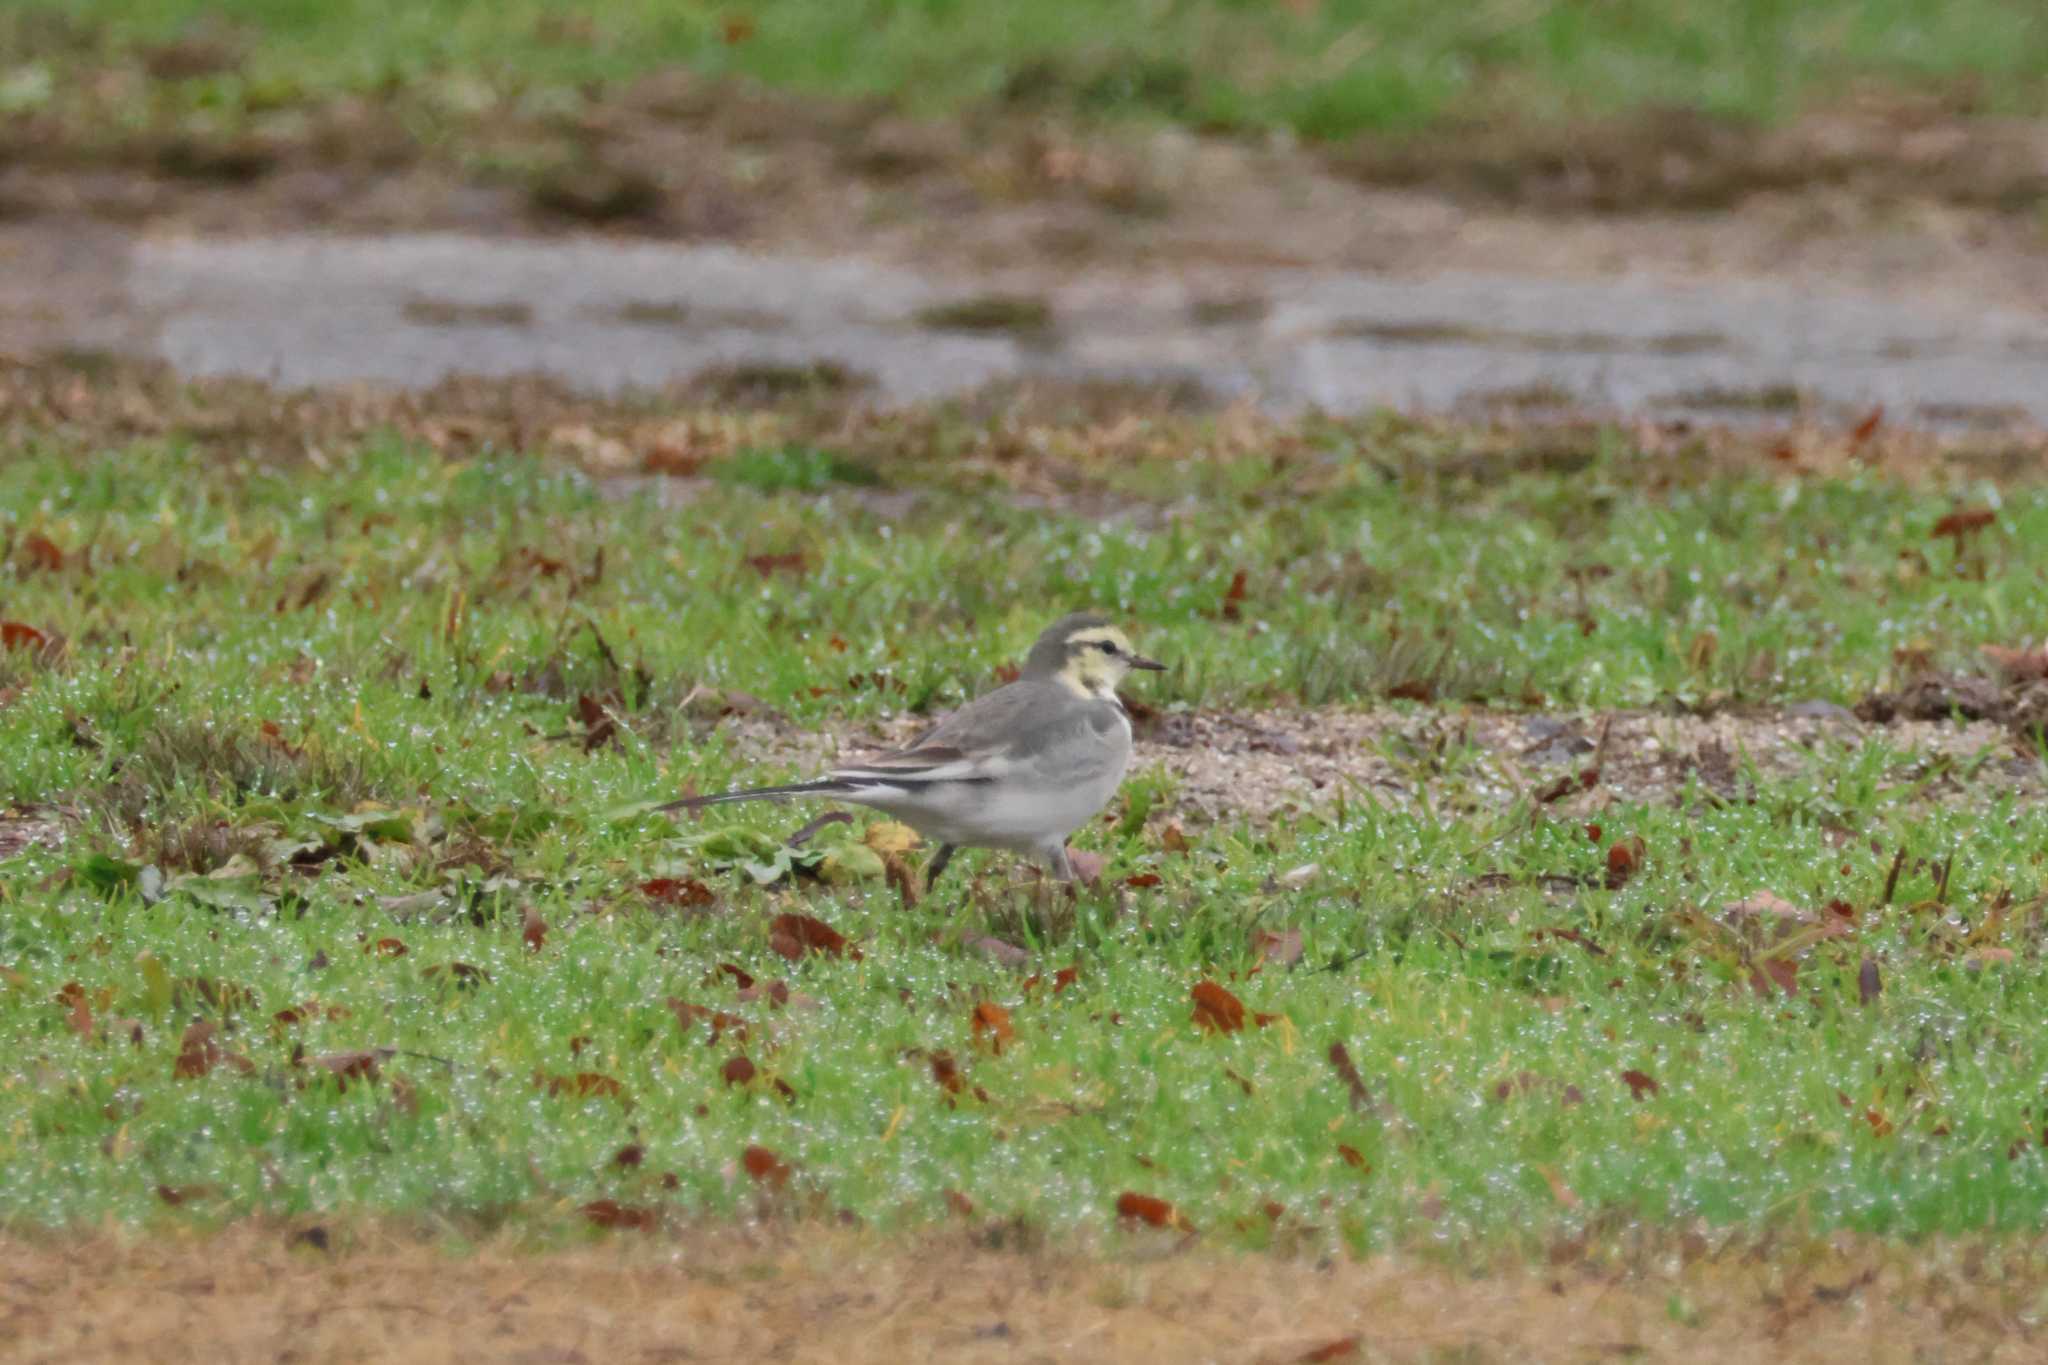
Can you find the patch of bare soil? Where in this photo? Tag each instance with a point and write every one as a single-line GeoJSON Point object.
{"type": "Point", "coordinates": [1891, 193]}
{"type": "Point", "coordinates": [359, 1294]}
{"type": "Point", "coordinates": [1268, 764]}
{"type": "Point", "coordinates": [1050, 441]}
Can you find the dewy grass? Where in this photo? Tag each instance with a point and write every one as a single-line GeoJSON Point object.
{"type": "Point", "coordinates": [352, 761]}
{"type": "Point", "coordinates": [1324, 71]}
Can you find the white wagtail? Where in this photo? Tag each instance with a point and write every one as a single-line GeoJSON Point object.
{"type": "Point", "coordinates": [1019, 769]}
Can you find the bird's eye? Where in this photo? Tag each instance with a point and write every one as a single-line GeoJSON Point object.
{"type": "Point", "coordinates": [1106, 646]}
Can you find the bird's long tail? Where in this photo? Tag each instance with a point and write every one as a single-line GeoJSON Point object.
{"type": "Point", "coordinates": [829, 786]}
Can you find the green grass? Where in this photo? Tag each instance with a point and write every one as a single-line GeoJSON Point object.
{"type": "Point", "coordinates": [1323, 70]}
{"type": "Point", "coordinates": [416, 633]}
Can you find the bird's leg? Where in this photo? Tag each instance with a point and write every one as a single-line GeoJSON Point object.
{"type": "Point", "coordinates": [938, 865]}
{"type": "Point", "coordinates": [1056, 859]}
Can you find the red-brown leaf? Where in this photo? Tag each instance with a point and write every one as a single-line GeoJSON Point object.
{"type": "Point", "coordinates": [946, 1072]}
{"type": "Point", "coordinates": [632, 1154]}
{"type": "Point", "coordinates": [1624, 860]}
{"type": "Point", "coordinates": [583, 1085]}
{"type": "Point", "coordinates": [791, 562]}
{"type": "Point", "coordinates": [793, 935]}
{"type": "Point", "coordinates": [1640, 1083]}
{"type": "Point", "coordinates": [1217, 1010]}
{"type": "Point", "coordinates": [689, 1015]}
{"type": "Point", "coordinates": [43, 552]}
{"type": "Point", "coordinates": [610, 1213]}
{"type": "Point", "coordinates": [1780, 972]}
{"type": "Point", "coordinates": [1962, 522]}
{"type": "Point", "coordinates": [197, 1052]}
{"type": "Point", "coordinates": [386, 947]}
{"type": "Point", "coordinates": [1343, 1348]}
{"type": "Point", "coordinates": [960, 1203]}
{"type": "Point", "coordinates": [1065, 977]}
{"type": "Point", "coordinates": [992, 1026]}
{"type": "Point", "coordinates": [1867, 428]}
{"type": "Point", "coordinates": [737, 1071]}
{"type": "Point", "coordinates": [1361, 1098]}
{"type": "Point", "coordinates": [1352, 1156]}
{"type": "Point", "coordinates": [1132, 1207]}
{"type": "Point", "coordinates": [740, 976]}
{"type": "Point", "coordinates": [1142, 881]}
{"type": "Point", "coordinates": [1233, 597]}
{"type": "Point", "coordinates": [765, 1166]}
{"type": "Point", "coordinates": [685, 893]}
{"type": "Point", "coordinates": [17, 635]}
{"type": "Point", "coordinates": [534, 930]}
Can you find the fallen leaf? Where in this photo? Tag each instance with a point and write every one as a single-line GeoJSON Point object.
{"type": "Point", "coordinates": [766, 1167]}
{"type": "Point", "coordinates": [1343, 1348]}
{"type": "Point", "coordinates": [1233, 596]}
{"type": "Point", "coordinates": [1172, 840]}
{"type": "Point", "coordinates": [1768, 972]}
{"type": "Point", "coordinates": [790, 562]}
{"type": "Point", "coordinates": [632, 1154]}
{"type": "Point", "coordinates": [960, 1203]}
{"type": "Point", "coordinates": [1132, 1207]}
{"type": "Point", "coordinates": [43, 553]}
{"type": "Point", "coordinates": [197, 1052]}
{"type": "Point", "coordinates": [175, 1195]}
{"type": "Point", "coordinates": [386, 947]}
{"type": "Point", "coordinates": [1217, 1010]}
{"type": "Point", "coordinates": [1624, 860]}
{"type": "Point", "coordinates": [1867, 428]}
{"type": "Point", "coordinates": [946, 1072]}
{"type": "Point", "coordinates": [80, 1017]}
{"type": "Point", "coordinates": [1087, 866]}
{"type": "Point", "coordinates": [737, 1071]}
{"type": "Point", "coordinates": [1640, 1083]}
{"type": "Point", "coordinates": [2019, 665]}
{"type": "Point", "coordinates": [1009, 954]}
{"type": "Point", "coordinates": [16, 635]}
{"type": "Point", "coordinates": [740, 976]}
{"type": "Point", "coordinates": [1065, 977]}
{"type": "Point", "coordinates": [1278, 946]}
{"type": "Point", "coordinates": [348, 1066]}
{"type": "Point", "coordinates": [1361, 1098]}
{"type": "Point", "coordinates": [992, 1026]}
{"type": "Point", "coordinates": [1561, 1192]}
{"type": "Point", "coordinates": [583, 1085]}
{"type": "Point", "coordinates": [793, 935]}
{"type": "Point", "coordinates": [689, 1015]}
{"type": "Point", "coordinates": [610, 1213]}
{"type": "Point", "coordinates": [534, 930]}
{"type": "Point", "coordinates": [1352, 1156]}
{"type": "Point", "coordinates": [685, 893]}
{"type": "Point", "coordinates": [1142, 881]}
{"type": "Point", "coordinates": [1869, 985]}
{"type": "Point", "coordinates": [1962, 522]}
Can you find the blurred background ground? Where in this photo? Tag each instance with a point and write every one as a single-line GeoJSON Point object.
{"type": "Point", "coordinates": [1797, 240]}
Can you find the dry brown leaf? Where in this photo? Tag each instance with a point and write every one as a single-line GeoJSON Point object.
{"type": "Point", "coordinates": [766, 1167]}
{"type": "Point", "coordinates": [793, 935]}
{"type": "Point", "coordinates": [1217, 1010]}
{"type": "Point", "coordinates": [992, 1027]}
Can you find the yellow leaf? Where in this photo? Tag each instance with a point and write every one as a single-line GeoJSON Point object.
{"type": "Point", "coordinates": [887, 836]}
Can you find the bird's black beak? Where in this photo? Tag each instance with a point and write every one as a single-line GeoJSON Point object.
{"type": "Point", "coordinates": [1149, 665]}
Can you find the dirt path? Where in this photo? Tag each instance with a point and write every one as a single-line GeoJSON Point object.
{"type": "Point", "coordinates": [1261, 765]}
{"type": "Point", "coordinates": [272, 1294]}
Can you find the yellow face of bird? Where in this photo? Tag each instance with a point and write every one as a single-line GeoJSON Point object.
{"type": "Point", "coordinates": [1098, 658]}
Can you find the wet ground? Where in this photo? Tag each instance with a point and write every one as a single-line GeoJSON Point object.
{"type": "Point", "coordinates": [411, 309]}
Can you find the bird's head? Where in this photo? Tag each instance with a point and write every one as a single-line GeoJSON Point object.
{"type": "Point", "coordinates": [1087, 653]}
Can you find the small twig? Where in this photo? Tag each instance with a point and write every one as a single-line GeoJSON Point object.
{"type": "Point", "coordinates": [1891, 882]}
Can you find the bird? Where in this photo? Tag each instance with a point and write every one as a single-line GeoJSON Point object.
{"type": "Point", "coordinates": [1017, 769]}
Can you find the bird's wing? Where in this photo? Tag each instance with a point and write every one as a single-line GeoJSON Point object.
{"type": "Point", "coordinates": [981, 740]}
